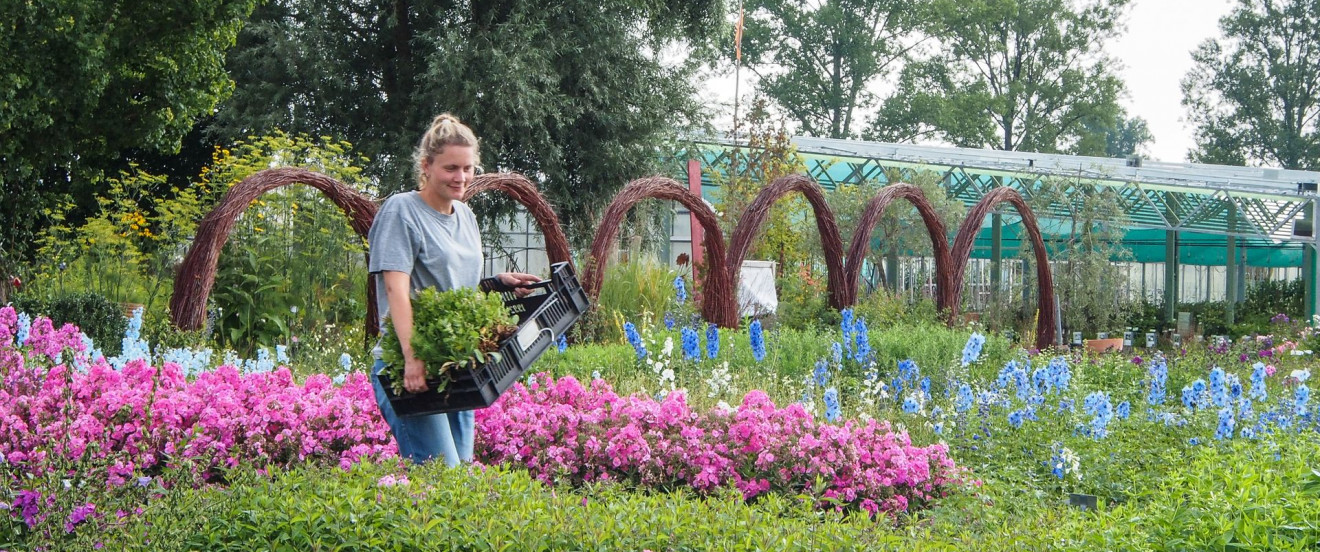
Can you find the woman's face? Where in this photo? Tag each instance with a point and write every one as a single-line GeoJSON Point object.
{"type": "Point", "coordinates": [449, 172]}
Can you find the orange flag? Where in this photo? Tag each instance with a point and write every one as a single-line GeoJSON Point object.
{"type": "Point", "coordinates": [737, 36]}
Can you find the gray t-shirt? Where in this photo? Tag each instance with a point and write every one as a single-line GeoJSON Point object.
{"type": "Point", "coordinates": [434, 249]}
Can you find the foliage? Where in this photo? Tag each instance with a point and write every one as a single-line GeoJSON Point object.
{"type": "Point", "coordinates": [143, 72]}
{"type": "Point", "coordinates": [128, 247]}
{"type": "Point", "coordinates": [1090, 287]}
{"type": "Point", "coordinates": [452, 329]}
{"type": "Point", "coordinates": [291, 260]}
{"type": "Point", "coordinates": [640, 290]}
{"type": "Point", "coordinates": [900, 229]}
{"type": "Point", "coordinates": [1121, 137]}
{"type": "Point", "coordinates": [98, 317]}
{"type": "Point", "coordinates": [1017, 75]}
{"type": "Point", "coordinates": [770, 154]}
{"type": "Point", "coordinates": [376, 72]}
{"type": "Point", "coordinates": [819, 59]}
{"type": "Point", "coordinates": [1252, 93]}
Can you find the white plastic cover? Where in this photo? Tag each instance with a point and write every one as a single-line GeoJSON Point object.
{"type": "Point", "coordinates": [756, 289]}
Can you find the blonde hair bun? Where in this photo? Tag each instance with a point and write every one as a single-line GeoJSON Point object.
{"type": "Point", "coordinates": [445, 130]}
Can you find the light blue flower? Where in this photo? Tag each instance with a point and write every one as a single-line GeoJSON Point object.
{"type": "Point", "coordinates": [1124, 410]}
{"type": "Point", "coordinates": [862, 341]}
{"type": "Point", "coordinates": [833, 411]}
{"type": "Point", "coordinates": [908, 370]}
{"type": "Point", "coordinates": [836, 351]}
{"type": "Point", "coordinates": [1225, 428]}
{"type": "Point", "coordinates": [972, 350]}
{"type": "Point", "coordinates": [1258, 391]}
{"type": "Point", "coordinates": [910, 405]}
{"type": "Point", "coordinates": [24, 328]}
{"type": "Point", "coordinates": [669, 321]}
{"type": "Point", "coordinates": [1015, 419]}
{"type": "Point", "coordinates": [821, 374]}
{"type": "Point", "coordinates": [680, 290]}
{"type": "Point", "coordinates": [1158, 370]}
{"type": "Point", "coordinates": [847, 326]}
{"type": "Point", "coordinates": [1300, 397]}
{"type": "Point", "coordinates": [345, 362]}
{"type": "Point", "coordinates": [964, 401]}
{"type": "Point", "coordinates": [281, 353]}
{"type": "Point", "coordinates": [561, 343]}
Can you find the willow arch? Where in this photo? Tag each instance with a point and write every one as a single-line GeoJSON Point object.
{"type": "Point", "coordinates": [759, 209]}
{"type": "Point", "coordinates": [197, 273]}
{"type": "Point", "coordinates": [524, 192]}
{"type": "Point", "coordinates": [962, 251]}
{"type": "Point", "coordinates": [861, 239]}
{"type": "Point", "coordinates": [717, 304]}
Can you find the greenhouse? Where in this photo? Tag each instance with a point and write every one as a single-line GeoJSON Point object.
{"type": "Point", "coordinates": [1228, 224]}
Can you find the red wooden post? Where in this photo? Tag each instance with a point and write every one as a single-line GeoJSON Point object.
{"type": "Point", "coordinates": [694, 186]}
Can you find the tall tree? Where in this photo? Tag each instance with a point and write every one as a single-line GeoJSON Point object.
{"type": "Point", "coordinates": [572, 92]}
{"type": "Point", "coordinates": [1025, 75]}
{"type": "Point", "coordinates": [1254, 94]}
{"type": "Point", "coordinates": [1119, 137]}
{"type": "Point", "coordinates": [82, 81]}
{"type": "Point", "coordinates": [818, 59]}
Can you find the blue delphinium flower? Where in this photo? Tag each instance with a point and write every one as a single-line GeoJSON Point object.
{"type": "Point", "coordinates": [1258, 382]}
{"type": "Point", "coordinates": [561, 343]}
{"type": "Point", "coordinates": [1300, 398]}
{"type": "Point", "coordinates": [1188, 397]}
{"type": "Point", "coordinates": [862, 341]}
{"type": "Point", "coordinates": [1041, 379]}
{"type": "Point", "coordinates": [1194, 441]}
{"type": "Point", "coordinates": [1015, 418]}
{"type": "Point", "coordinates": [1124, 410]}
{"type": "Point", "coordinates": [1199, 393]}
{"type": "Point", "coordinates": [757, 339]}
{"type": "Point", "coordinates": [847, 326]}
{"type": "Point", "coordinates": [669, 321]}
{"type": "Point", "coordinates": [1097, 405]}
{"type": "Point", "coordinates": [1234, 385]}
{"type": "Point", "coordinates": [712, 340]}
{"type": "Point", "coordinates": [24, 328]}
{"type": "Point", "coordinates": [1058, 374]}
{"type": "Point", "coordinates": [925, 386]}
{"type": "Point", "coordinates": [908, 370]}
{"type": "Point", "coordinates": [1218, 387]}
{"type": "Point", "coordinates": [972, 350]}
{"type": "Point", "coordinates": [836, 350]}
{"type": "Point", "coordinates": [1065, 405]}
{"type": "Point", "coordinates": [680, 289]}
{"type": "Point", "coordinates": [821, 375]}
{"type": "Point", "coordinates": [832, 410]}
{"type": "Point", "coordinates": [1225, 428]}
{"type": "Point", "coordinates": [345, 362]}
{"type": "Point", "coordinates": [282, 353]}
{"type": "Point", "coordinates": [910, 405]}
{"type": "Point", "coordinates": [634, 339]}
{"type": "Point", "coordinates": [964, 401]}
{"type": "Point", "coordinates": [691, 344]}
{"type": "Point", "coordinates": [1159, 377]}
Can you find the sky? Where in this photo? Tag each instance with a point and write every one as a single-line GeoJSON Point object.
{"type": "Point", "coordinates": [1154, 55]}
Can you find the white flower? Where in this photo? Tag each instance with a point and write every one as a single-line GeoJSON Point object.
{"type": "Point", "coordinates": [1301, 375]}
{"type": "Point", "coordinates": [669, 346]}
{"type": "Point", "coordinates": [724, 406]}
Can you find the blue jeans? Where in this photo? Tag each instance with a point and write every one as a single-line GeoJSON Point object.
{"type": "Point", "coordinates": [422, 438]}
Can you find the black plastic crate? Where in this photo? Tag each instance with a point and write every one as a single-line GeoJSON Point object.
{"type": "Point", "coordinates": [542, 317]}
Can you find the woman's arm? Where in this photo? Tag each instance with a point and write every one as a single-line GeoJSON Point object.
{"type": "Point", "coordinates": [398, 290]}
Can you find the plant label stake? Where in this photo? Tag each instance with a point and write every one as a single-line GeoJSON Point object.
{"type": "Point", "coordinates": [1077, 338]}
{"type": "Point", "coordinates": [1084, 502]}
{"type": "Point", "coordinates": [1127, 339]}
{"type": "Point", "coordinates": [1150, 340]}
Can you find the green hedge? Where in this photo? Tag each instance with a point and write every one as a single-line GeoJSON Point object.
{"type": "Point", "coordinates": [98, 317]}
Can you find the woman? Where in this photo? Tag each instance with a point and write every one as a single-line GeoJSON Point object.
{"type": "Point", "coordinates": [429, 238]}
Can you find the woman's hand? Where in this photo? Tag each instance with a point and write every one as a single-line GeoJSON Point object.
{"type": "Point", "coordinates": [414, 375]}
{"type": "Point", "coordinates": [516, 279]}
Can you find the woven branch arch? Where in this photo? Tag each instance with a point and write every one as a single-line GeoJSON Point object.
{"type": "Point", "coordinates": [752, 219]}
{"type": "Point", "coordinates": [861, 241]}
{"type": "Point", "coordinates": [717, 304]}
{"type": "Point", "coordinates": [197, 273]}
{"type": "Point", "coordinates": [962, 251]}
{"type": "Point", "coordinates": [524, 192]}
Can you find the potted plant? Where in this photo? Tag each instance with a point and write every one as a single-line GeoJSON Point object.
{"type": "Point", "coordinates": [452, 330]}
